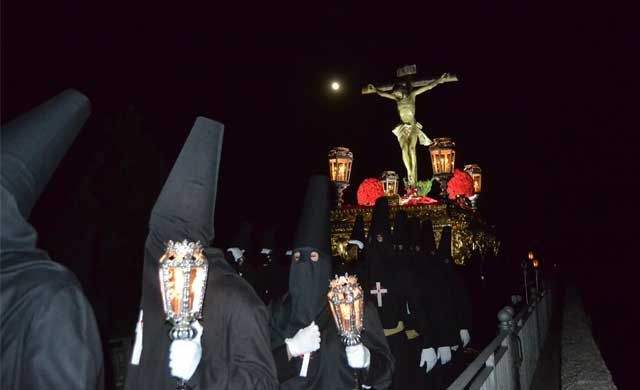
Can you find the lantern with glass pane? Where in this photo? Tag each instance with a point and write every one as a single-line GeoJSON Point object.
{"type": "Point", "coordinates": [443, 158]}
{"type": "Point", "coordinates": [183, 280]}
{"type": "Point", "coordinates": [389, 181]}
{"type": "Point", "coordinates": [347, 307]}
{"type": "Point", "coordinates": [340, 161]}
{"type": "Point", "coordinates": [476, 174]}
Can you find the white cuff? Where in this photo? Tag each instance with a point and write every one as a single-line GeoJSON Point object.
{"type": "Point", "coordinates": [358, 243]}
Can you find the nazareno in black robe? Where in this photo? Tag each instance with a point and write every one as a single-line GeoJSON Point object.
{"type": "Point", "coordinates": [235, 343]}
{"type": "Point", "coordinates": [461, 303]}
{"type": "Point", "coordinates": [48, 330]}
{"type": "Point", "coordinates": [306, 301]}
{"type": "Point", "coordinates": [432, 311]}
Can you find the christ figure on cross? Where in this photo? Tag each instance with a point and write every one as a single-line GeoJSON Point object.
{"type": "Point", "coordinates": [409, 131]}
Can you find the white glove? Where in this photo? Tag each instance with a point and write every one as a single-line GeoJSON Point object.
{"type": "Point", "coordinates": [358, 356]}
{"type": "Point", "coordinates": [465, 337]}
{"type": "Point", "coordinates": [306, 340]}
{"type": "Point", "coordinates": [185, 355]}
{"type": "Point", "coordinates": [444, 354]}
{"type": "Point", "coordinates": [428, 356]}
{"type": "Point", "coordinates": [237, 253]}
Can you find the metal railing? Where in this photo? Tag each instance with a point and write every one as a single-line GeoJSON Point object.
{"type": "Point", "coordinates": [510, 360]}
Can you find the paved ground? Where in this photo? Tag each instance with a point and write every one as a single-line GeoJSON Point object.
{"type": "Point", "coordinates": [547, 375]}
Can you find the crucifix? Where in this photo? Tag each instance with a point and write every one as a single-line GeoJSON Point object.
{"type": "Point", "coordinates": [379, 291]}
{"type": "Point", "coordinates": [409, 132]}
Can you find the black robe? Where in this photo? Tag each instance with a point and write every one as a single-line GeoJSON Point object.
{"type": "Point", "coordinates": [458, 292]}
{"type": "Point", "coordinates": [49, 334]}
{"type": "Point", "coordinates": [431, 316]}
{"type": "Point", "coordinates": [328, 367]}
{"type": "Point", "coordinates": [434, 316]}
{"type": "Point", "coordinates": [236, 352]}
{"type": "Point", "coordinates": [459, 295]}
{"type": "Point", "coordinates": [391, 271]}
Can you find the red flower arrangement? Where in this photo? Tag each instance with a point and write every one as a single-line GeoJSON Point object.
{"type": "Point", "coordinates": [369, 191]}
{"type": "Point", "coordinates": [461, 184]}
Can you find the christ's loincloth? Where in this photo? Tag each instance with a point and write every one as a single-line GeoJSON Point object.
{"type": "Point", "coordinates": [404, 131]}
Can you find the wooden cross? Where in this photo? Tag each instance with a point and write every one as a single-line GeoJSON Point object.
{"type": "Point", "coordinates": [405, 71]}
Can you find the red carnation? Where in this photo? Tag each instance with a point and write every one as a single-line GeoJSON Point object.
{"type": "Point", "coordinates": [369, 191]}
{"type": "Point", "coordinates": [461, 184]}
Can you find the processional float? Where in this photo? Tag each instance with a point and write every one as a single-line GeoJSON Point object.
{"type": "Point", "coordinates": [456, 202]}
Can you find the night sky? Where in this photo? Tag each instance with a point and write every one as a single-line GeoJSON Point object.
{"type": "Point", "coordinates": [543, 105]}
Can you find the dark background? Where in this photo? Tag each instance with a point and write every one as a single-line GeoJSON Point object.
{"type": "Point", "coordinates": [544, 105]}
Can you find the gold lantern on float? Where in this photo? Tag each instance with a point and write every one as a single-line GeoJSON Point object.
{"type": "Point", "coordinates": [183, 280]}
{"type": "Point", "coordinates": [443, 160]}
{"type": "Point", "coordinates": [340, 161]}
{"type": "Point", "coordinates": [389, 181]}
{"type": "Point", "coordinates": [347, 307]}
{"type": "Point", "coordinates": [476, 174]}
{"type": "Point", "coordinates": [530, 255]}
{"type": "Point", "coordinates": [536, 263]}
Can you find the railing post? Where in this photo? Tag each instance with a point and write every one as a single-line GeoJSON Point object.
{"type": "Point", "coordinates": [535, 306]}
{"type": "Point", "coordinates": [514, 345]}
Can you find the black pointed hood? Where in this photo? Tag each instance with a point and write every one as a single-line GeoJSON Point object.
{"type": "Point", "coordinates": [401, 230]}
{"type": "Point", "coordinates": [34, 144]}
{"type": "Point", "coordinates": [314, 230]}
{"type": "Point", "coordinates": [357, 234]}
{"type": "Point", "coordinates": [444, 248]}
{"type": "Point", "coordinates": [309, 279]}
{"type": "Point", "coordinates": [242, 238]}
{"type": "Point", "coordinates": [427, 240]}
{"type": "Point", "coordinates": [187, 201]}
{"type": "Point", "coordinates": [380, 223]}
{"type": "Point", "coordinates": [32, 147]}
{"type": "Point", "coordinates": [268, 240]}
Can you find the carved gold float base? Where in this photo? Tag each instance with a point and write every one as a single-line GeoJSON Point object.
{"type": "Point", "coordinates": [469, 232]}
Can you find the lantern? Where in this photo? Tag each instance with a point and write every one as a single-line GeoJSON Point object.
{"type": "Point", "coordinates": [340, 160]}
{"type": "Point", "coordinates": [389, 180]}
{"type": "Point", "coordinates": [476, 173]}
{"type": "Point", "coordinates": [183, 279]}
{"type": "Point", "coordinates": [443, 158]}
{"type": "Point", "coordinates": [530, 255]}
{"type": "Point", "coordinates": [347, 307]}
{"type": "Point", "coordinates": [536, 263]}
